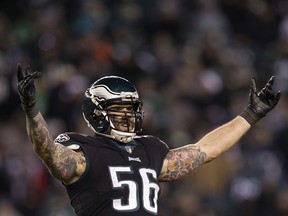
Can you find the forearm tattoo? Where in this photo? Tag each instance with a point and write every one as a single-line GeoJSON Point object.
{"type": "Point", "coordinates": [61, 162]}
{"type": "Point", "coordinates": [182, 161]}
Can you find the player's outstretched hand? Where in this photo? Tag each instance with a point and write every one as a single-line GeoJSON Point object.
{"type": "Point", "coordinates": [260, 103]}
{"type": "Point", "coordinates": [26, 87]}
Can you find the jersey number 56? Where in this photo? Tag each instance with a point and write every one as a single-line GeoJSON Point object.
{"type": "Point", "coordinates": [150, 190]}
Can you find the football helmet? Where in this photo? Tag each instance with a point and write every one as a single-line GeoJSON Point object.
{"type": "Point", "coordinates": [105, 105]}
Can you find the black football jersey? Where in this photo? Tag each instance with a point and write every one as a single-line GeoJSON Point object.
{"type": "Point", "coordinates": [120, 179]}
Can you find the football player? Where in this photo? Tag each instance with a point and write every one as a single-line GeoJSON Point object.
{"type": "Point", "coordinates": [116, 171]}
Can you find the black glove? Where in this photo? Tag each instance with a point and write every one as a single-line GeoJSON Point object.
{"type": "Point", "coordinates": [26, 89]}
{"type": "Point", "coordinates": [260, 103]}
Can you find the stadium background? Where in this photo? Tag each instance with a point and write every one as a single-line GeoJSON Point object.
{"type": "Point", "coordinates": [191, 60]}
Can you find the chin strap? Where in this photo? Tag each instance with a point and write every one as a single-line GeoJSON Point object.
{"type": "Point", "coordinates": [123, 137]}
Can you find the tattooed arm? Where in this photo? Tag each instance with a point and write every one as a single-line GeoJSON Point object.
{"type": "Point", "coordinates": [63, 163]}
{"type": "Point", "coordinates": [181, 161]}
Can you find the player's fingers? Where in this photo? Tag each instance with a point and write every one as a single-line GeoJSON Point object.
{"type": "Point", "coordinates": [27, 70]}
{"type": "Point", "coordinates": [271, 81]}
{"type": "Point", "coordinates": [275, 98]}
{"type": "Point", "coordinates": [30, 78]}
{"type": "Point", "coordinates": [253, 86]}
{"type": "Point", "coordinates": [36, 74]}
{"type": "Point", "coordinates": [267, 87]}
{"type": "Point", "coordinates": [278, 95]}
{"type": "Point", "coordinates": [19, 72]}
{"type": "Point", "coordinates": [269, 84]}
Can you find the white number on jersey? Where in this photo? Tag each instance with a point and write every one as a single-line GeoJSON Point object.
{"type": "Point", "coordinates": [150, 190]}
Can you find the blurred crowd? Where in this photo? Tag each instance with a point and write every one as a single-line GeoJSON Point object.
{"type": "Point", "coordinates": [192, 62]}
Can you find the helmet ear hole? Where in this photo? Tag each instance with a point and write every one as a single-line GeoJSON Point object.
{"type": "Point", "coordinates": [101, 125]}
{"type": "Point", "coordinates": [97, 113]}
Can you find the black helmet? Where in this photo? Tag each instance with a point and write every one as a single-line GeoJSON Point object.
{"type": "Point", "coordinates": [105, 92]}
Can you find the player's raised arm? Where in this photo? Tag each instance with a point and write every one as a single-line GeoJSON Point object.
{"type": "Point", "coordinates": [184, 160]}
{"type": "Point", "coordinates": [63, 163]}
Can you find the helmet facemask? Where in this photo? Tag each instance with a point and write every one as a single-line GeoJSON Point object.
{"type": "Point", "coordinates": [120, 119]}
{"type": "Point", "coordinates": [125, 120]}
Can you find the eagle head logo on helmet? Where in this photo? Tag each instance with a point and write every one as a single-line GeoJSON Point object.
{"type": "Point", "coordinates": [105, 92]}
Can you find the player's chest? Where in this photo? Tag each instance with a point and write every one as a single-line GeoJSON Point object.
{"type": "Point", "coordinates": [121, 156]}
{"type": "Point", "coordinates": [116, 168]}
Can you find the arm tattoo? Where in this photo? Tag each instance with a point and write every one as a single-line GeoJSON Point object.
{"type": "Point", "coordinates": [61, 161]}
{"type": "Point", "coordinates": [183, 161]}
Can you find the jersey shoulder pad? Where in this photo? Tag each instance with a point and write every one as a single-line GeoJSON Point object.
{"type": "Point", "coordinates": [69, 140]}
{"type": "Point", "coordinates": [153, 140]}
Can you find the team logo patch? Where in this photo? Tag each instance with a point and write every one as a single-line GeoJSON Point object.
{"type": "Point", "coordinates": [62, 138]}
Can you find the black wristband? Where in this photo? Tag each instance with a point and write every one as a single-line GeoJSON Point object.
{"type": "Point", "coordinates": [31, 110]}
{"type": "Point", "coordinates": [250, 116]}
{"type": "Point", "coordinates": [32, 113]}
{"type": "Point", "coordinates": [27, 103]}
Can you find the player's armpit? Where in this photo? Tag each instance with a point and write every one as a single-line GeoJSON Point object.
{"type": "Point", "coordinates": [181, 161]}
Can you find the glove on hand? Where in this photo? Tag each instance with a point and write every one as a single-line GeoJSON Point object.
{"type": "Point", "coordinates": [26, 88]}
{"type": "Point", "coordinates": [260, 103]}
